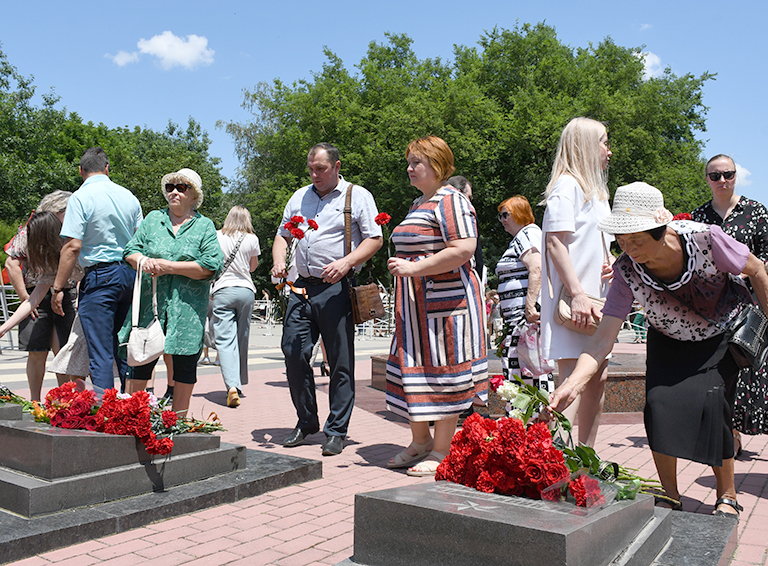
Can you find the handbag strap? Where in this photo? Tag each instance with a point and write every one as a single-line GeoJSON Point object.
{"type": "Point", "coordinates": [136, 305]}
{"type": "Point", "coordinates": [348, 228]}
{"type": "Point", "coordinates": [231, 257]}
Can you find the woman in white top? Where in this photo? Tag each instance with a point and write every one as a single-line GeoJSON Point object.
{"type": "Point", "coordinates": [577, 257]}
{"type": "Point", "coordinates": [233, 294]}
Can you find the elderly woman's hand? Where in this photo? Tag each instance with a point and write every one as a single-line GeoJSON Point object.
{"type": "Point", "coordinates": [157, 266]}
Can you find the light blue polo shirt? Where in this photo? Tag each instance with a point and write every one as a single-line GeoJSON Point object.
{"type": "Point", "coordinates": [104, 216]}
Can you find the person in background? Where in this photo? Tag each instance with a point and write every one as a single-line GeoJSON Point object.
{"type": "Point", "coordinates": [177, 245]}
{"type": "Point", "coordinates": [463, 185]}
{"type": "Point", "coordinates": [746, 221]}
{"type": "Point", "coordinates": [101, 218]}
{"type": "Point", "coordinates": [38, 244]}
{"type": "Point", "coordinates": [519, 272]}
{"type": "Point", "coordinates": [576, 257]}
{"type": "Point", "coordinates": [688, 278]}
{"type": "Point", "coordinates": [437, 363]}
{"type": "Point", "coordinates": [233, 296]}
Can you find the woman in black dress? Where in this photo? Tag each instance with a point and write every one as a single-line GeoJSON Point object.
{"type": "Point", "coordinates": [746, 221]}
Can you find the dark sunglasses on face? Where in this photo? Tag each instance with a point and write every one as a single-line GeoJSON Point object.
{"type": "Point", "coordinates": [503, 215]}
{"type": "Point", "coordinates": [180, 188]}
{"type": "Point", "coordinates": [715, 175]}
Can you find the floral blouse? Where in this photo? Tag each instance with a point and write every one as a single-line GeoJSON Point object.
{"type": "Point", "coordinates": [182, 303]}
{"type": "Point", "coordinates": [747, 223]}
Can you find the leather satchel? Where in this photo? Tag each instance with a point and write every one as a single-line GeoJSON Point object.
{"type": "Point", "coordinates": [144, 344]}
{"type": "Point", "coordinates": [366, 300]}
{"type": "Point", "coordinates": [748, 337]}
{"type": "Point", "coordinates": [563, 313]}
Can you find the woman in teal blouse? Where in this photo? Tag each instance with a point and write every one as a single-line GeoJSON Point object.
{"type": "Point", "coordinates": [183, 252]}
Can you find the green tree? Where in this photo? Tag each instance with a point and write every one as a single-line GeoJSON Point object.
{"type": "Point", "coordinates": [500, 106]}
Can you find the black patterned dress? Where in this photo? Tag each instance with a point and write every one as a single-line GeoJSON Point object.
{"type": "Point", "coordinates": [748, 224]}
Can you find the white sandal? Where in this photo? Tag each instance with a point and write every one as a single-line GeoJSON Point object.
{"type": "Point", "coordinates": [427, 467]}
{"type": "Point", "coordinates": [405, 460]}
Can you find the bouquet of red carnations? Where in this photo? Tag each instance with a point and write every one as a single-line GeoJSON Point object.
{"type": "Point", "coordinates": [140, 415]}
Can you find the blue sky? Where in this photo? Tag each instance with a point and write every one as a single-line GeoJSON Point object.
{"type": "Point", "coordinates": [143, 63]}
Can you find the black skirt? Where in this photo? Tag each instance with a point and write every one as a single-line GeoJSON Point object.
{"type": "Point", "coordinates": [689, 391]}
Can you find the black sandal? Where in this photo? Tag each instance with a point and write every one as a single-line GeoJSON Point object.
{"type": "Point", "coordinates": [664, 501]}
{"type": "Point", "coordinates": [732, 503]}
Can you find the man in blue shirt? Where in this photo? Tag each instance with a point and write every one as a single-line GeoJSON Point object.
{"type": "Point", "coordinates": [101, 218]}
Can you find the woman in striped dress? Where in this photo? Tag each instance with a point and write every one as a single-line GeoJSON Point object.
{"type": "Point", "coordinates": [437, 363]}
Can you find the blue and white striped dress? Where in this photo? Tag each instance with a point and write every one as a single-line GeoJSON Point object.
{"type": "Point", "coordinates": [437, 363]}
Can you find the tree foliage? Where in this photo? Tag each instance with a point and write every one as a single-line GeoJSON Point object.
{"type": "Point", "coordinates": [40, 149]}
{"type": "Point", "coordinates": [500, 106]}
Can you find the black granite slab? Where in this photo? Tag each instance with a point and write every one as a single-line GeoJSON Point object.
{"type": "Point", "coordinates": [31, 496]}
{"type": "Point", "coordinates": [22, 537]}
{"type": "Point", "coordinates": [9, 411]}
{"type": "Point", "coordinates": [668, 539]}
{"type": "Point", "coordinates": [50, 452]}
{"type": "Point", "coordinates": [441, 523]}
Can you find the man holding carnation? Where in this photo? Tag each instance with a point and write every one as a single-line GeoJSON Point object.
{"type": "Point", "coordinates": [319, 304]}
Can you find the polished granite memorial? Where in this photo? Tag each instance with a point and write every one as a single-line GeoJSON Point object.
{"type": "Point", "coordinates": [59, 487]}
{"type": "Point", "coordinates": [443, 523]}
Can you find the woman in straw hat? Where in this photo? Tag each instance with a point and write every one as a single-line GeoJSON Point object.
{"type": "Point", "coordinates": [178, 246]}
{"type": "Point", "coordinates": [686, 276]}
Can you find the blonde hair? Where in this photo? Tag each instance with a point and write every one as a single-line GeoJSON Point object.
{"type": "Point", "coordinates": [578, 155]}
{"type": "Point", "coordinates": [238, 220]}
{"type": "Point", "coordinates": [55, 202]}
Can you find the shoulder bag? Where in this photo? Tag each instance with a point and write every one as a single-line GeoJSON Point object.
{"type": "Point", "coordinates": [231, 257]}
{"type": "Point", "coordinates": [366, 301]}
{"type": "Point", "coordinates": [144, 344]}
{"type": "Point", "coordinates": [747, 332]}
{"type": "Point", "coordinates": [564, 299]}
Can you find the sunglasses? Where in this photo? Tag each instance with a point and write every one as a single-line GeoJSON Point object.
{"type": "Point", "coordinates": [715, 175]}
{"type": "Point", "coordinates": [180, 188]}
{"type": "Point", "coordinates": [503, 215]}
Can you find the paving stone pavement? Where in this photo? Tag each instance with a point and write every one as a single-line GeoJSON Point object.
{"type": "Point", "coordinates": [312, 523]}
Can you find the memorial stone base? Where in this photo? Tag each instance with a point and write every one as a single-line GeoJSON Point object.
{"type": "Point", "coordinates": [443, 523]}
{"type": "Point", "coordinates": [59, 487]}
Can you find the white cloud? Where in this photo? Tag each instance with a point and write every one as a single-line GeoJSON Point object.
{"type": "Point", "coordinates": [175, 51]}
{"type": "Point", "coordinates": [644, 27]}
{"type": "Point", "coordinates": [742, 176]}
{"type": "Point", "coordinates": [652, 64]}
{"type": "Point", "coordinates": [123, 58]}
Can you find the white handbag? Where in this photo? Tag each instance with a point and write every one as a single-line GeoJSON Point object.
{"type": "Point", "coordinates": [144, 344]}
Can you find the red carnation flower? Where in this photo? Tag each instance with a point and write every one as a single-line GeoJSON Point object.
{"type": "Point", "coordinates": [289, 226]}
{"type": "Point", "coordinates": [297, 219]}
{"type": "Point", "coordinates": [312, 224]}
{"type": "Point", "coordinates": [682, 216]}
{"type": "Point", "coordinates": [496, 381]}
{"type": "Point", "coordinates": [382, 218]}
{"type": "Point", "coordinates": [297, 233]}
{"type": "Point", "coordinates": [170, 418]}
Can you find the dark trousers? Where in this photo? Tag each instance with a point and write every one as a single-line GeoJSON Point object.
{"type": "Point", "coordinates": [326, 312]}
{"type": "Point", "coordinates": [105, 297]}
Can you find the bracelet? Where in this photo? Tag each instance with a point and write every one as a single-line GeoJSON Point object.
{"type": "Point", "coordinates": [55, 291]}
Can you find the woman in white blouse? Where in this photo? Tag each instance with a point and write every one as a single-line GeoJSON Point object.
{"type": "Point", "coordinates": [233, 294]}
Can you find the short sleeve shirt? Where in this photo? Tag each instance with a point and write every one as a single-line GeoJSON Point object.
{"type": "Point", "coordinates": [238, 274]}
{"type": "Point", "coordinates": [104, 216]}
{"type": "Point", "coordinates": [513, 273]}
{"type": "Point", "coordinates": [325, 245]}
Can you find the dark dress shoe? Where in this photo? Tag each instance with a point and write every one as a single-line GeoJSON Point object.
{"type": "Point", "coordinates": [333, 446]}
{"type": "Point", "coordinates": [296, 437]}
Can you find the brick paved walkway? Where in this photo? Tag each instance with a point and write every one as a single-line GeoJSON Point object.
{"type": "Point", "coordinates": [312, 523]}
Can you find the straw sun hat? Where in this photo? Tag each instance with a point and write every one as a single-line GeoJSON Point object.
{"type": "Point", "coordinates": [637, 207]}
{"type": "Point", "coordinates": [187, 176]}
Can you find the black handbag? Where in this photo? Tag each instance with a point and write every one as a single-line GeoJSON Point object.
{"type": "Point", "coordinates": [748, 337]}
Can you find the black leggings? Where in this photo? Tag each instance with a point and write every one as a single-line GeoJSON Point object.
{"type": "Point", "coordinates": [184, 369]}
